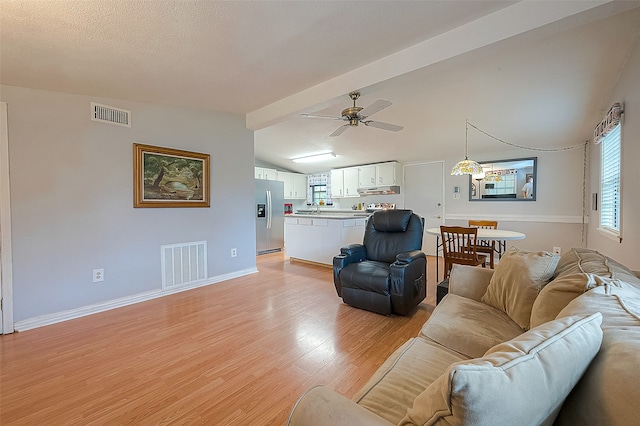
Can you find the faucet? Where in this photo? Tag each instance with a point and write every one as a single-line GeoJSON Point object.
{"type": "Point", "coordinates": [317, 207]}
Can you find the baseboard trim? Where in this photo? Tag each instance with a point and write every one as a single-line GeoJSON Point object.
{"type": "Point", "coordinates": [41, 321]}
{"type": "Point", "coordinates": [518, 218]}
{"type": "Point", "coordinates": [309, 262]}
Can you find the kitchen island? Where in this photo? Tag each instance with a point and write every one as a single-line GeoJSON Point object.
{"type": "Point", "coordinates": [316, 238]}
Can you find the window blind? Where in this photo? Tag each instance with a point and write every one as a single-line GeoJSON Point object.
{"type": "Point", "coordinates": [610, 183]}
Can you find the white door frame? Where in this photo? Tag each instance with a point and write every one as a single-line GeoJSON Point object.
{"type": "Point", "coordinates": [6, 270]}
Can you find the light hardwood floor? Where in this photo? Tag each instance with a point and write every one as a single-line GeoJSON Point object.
{"type": "Point", "coordinates": [239, 352]}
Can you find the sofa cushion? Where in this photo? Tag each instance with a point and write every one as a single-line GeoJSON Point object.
{"type": "Point", "coordinates": [519, 382]}
{"type": "Point", "coordinates": [517, 280]}
{"type": "Point", "coordinates": [468, 326]}
{"type": "Point", "coordinates": [580, 260]}
{"type": "Point", "coordinates": [403, 376]}
{"type": "Point", "coordinates": [618, 302]}
{"type": "Point", "coordinates": [608, 393]}
{"type": "Point", "coordinates": [562, 290]}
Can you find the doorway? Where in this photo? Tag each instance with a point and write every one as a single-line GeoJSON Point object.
{"type": "Point", "coordinates": [424, 194]}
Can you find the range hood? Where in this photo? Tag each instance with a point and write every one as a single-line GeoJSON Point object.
{"type": "Point", "coordinates": [379, 190]}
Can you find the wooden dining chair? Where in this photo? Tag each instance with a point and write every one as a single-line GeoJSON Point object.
{"type": "Point", "coordinates": [488, 247]}
{"type": "Point", "coordinates": [459, 246]}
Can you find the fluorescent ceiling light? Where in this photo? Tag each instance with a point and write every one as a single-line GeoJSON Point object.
{"type": "Point", "coordinates": [315, 157]}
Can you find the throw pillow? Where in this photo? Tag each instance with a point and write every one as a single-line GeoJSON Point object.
{"type": "Point", "coordinates": [516, 282]}
{"type": "Point", "coordinates": [520, 382]}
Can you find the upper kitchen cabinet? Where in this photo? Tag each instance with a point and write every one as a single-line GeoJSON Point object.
{"type": "Point", "coordinates": [379, 174]}
{"type": "Point", "coordinates": [268, 174]}
{"type": "Point", "coordinates": [295, 185]}
{"type": "Point", "coordinates": [344, 183]}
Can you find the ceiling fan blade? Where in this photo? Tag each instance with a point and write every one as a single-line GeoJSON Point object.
{"type": "Point", "coordinates": [378, 105]}
{"type": "Point", "coordinates": [321, 116]}
{"type": "Point", "coordinates": [383, 126]}
{"type": "Point", "coordinates": [340, 130]}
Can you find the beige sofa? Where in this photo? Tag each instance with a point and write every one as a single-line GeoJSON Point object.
{"type": "Point", "coordinates": [541, 340]}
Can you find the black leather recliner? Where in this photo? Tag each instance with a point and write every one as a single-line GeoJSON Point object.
{"type": "Point", "coordinates": [386, 274]}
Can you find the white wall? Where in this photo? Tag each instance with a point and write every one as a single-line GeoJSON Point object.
{"type": "Point", "coordinates": [627, 91]}
{"type": "Point", "coordinates": [554, 219]}
{"type": "Point", "coordinates": [72, 201]}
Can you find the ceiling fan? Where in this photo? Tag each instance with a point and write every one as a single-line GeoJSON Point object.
{"type": "Point", "coordinates": [357, 115]}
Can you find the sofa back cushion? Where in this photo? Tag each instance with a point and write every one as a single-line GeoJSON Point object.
{"type": "Point", "coordinates": [578, 271]}
{"type": "Point", "coordinates": [608, 393]}
{"type": "Point", "coordinates": [581, 260]}
{"type": "Point", "coordinates": [556, 295]}
{"type": "Point", "coordinates": [517, 280]}
{"type": "Point", "coordinates": [519, 382]}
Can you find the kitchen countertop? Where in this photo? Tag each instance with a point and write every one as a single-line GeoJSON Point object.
{"type": "Point", "coordinates": [334, 216]}
{"type": "Point", "coordinates": [330, 210]}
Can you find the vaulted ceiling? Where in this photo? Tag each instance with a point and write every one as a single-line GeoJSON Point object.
{"type": "Point", "coordinates": [536, 73]}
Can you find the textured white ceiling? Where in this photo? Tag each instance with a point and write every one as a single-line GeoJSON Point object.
{"type": "Point", "coordinates": [533, 72]}
{"type": "Point", "coordinates": [234, 56]}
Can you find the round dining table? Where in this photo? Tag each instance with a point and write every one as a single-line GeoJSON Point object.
{"type": "Point", "coordinates": [501, 236]}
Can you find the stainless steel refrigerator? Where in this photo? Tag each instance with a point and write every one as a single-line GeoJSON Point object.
{"type": "Point", "coordinates": [269, 216]}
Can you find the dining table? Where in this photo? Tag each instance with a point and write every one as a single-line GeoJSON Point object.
{"type": "Point", "coordinates": [500, 236]}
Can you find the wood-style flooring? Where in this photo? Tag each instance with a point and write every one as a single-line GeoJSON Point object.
{"type": "Point", "coordinates": [239, 352]}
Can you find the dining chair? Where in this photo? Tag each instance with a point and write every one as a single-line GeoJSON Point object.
{"type": "Point", "coordinates": [459, 246]}
{"type": "Point", "coordinates": [488, 247]}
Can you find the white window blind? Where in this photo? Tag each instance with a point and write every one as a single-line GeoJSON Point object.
{"type": "Point", "coordinates": [610, 184]}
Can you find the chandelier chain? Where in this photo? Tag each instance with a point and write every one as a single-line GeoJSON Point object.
{"type": "Point", "coordinates": [526, 147]}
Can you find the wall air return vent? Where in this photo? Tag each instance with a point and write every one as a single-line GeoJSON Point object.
{"type": "Point", "coordinates": [110, 115]}
{"type": "Point", "coordinates": [183, 264]}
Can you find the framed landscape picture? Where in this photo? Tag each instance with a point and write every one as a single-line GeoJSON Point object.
{"type": "Point", "coordinates": [166, 177]}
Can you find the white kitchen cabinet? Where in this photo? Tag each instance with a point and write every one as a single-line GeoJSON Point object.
{"type": "Point", "coordinates": [337, 183]}
{"type": "Point", "coordinates": [319, 240]}
{"type": "Point", "coordinates": [300, 186]}
{"type": "Point", "coordinates": [388, 173]}
{"type": "Point", "coordinates": [344, 182]}
{"type": "Point", "coordinates": [351, 182]}
{"type": "Point", "coordinates": [379, 174]}
{"type": "Point", "coordinates": [367, 176]}
{"type": "Point", "coordinates": [295, 185]}
{"type": "Point", "coordinates": [264, 173]}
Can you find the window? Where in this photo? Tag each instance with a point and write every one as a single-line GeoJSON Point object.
{"type": "Point", "coordinates": [319, 194]}
{"type": "Point", "coordinates": [610, 184]}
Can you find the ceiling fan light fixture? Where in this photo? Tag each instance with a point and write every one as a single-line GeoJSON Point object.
{"type": "Point", "coordinates": [322, 156]}
{"type": "Point", "coordinates": [355, 115]}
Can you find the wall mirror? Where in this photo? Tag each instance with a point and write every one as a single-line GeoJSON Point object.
{"type": "Point", "coordinates": [505, 180]}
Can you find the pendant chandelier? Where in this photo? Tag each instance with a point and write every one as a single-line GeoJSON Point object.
{"type": "Point", "coordinates": [466, 166]}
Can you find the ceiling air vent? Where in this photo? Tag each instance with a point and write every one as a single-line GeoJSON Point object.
{"type": "Point", "coordinates": [110, 115]}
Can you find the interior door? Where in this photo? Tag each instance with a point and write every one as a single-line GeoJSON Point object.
{"type": "Point", "coordinates": [424, 194]}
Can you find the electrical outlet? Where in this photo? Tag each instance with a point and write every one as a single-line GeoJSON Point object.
{"type": "Point", "coordinates": [456, 196]}
{"type": "Point", "coordinates": [557, 250]}
{"type": "Point", "coordinates": [98, 275]}
{"type": "Point", "coordinates": [234, 252]}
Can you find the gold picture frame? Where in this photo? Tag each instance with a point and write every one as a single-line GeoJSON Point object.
{"type": "Point", "coordinates": [167, 177]}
